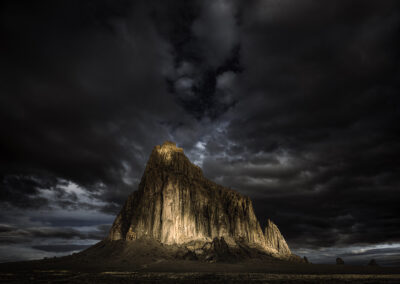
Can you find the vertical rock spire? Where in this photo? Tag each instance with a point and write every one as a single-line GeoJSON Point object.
{"type": "Point", "coordinates": [274, 238]}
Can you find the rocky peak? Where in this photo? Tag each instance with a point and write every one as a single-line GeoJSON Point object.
{"type": "Point", "coordinates": [169, 157]}
{"type": "Point", "coordinates": [167, 150]}
{"type": "Point", "coordinates": [176, 204]}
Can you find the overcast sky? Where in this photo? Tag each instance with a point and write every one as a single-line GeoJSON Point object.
{"type": "Point", "coordinates": [293, 103]}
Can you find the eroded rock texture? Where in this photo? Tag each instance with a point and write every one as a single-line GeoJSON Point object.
{"type": "Point", "coordinates": [274, 238]}
{"type": "Point", "coordinates": [176, 204]}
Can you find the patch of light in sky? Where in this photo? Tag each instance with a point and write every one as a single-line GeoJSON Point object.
{"type": "Point", "coordinates": [283, 158]}
{"type": "Point", "coordinates": [71, 188]}
{"type": "Point", "coordinates": [198, 153]}
{"type": "Point", "coordinates": [201, 145]}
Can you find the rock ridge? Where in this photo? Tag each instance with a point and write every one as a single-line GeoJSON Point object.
{"type": "Point", "coordinates": [274, 238]}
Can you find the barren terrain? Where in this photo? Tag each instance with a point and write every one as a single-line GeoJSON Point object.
{"type": "Point", "coordinates": [72, 269]}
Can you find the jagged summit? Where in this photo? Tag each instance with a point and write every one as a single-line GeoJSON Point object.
{"type": "Point", "coordinates": [168, 146]}
{"type": "Point", "coordinates": [170, 158]}
{"type": "Point", "coordinates": [176, 205]}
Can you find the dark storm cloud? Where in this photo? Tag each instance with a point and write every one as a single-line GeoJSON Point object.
{"type": "Point", "coordinates": [321, 85]}
{"type": "Point", "coordinates": [292, 103]}
{"type": "Point", "coordinates": [12, 235]}
{"type": "Point", "coordinates": [81, 85]}
{"type": "Point", "coordinates": [23, 191]}
{"type": "Point", "coordinates": [92, 87]}
{"type": "Point", "coordinates": [205, 46]}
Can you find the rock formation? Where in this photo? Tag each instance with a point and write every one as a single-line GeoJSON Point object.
{"type": "Point", "coordinates": [339, 261]}
{"type": "Point", "coordinates": [176, 205]}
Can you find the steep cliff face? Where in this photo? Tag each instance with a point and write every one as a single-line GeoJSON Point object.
{"type": "Point", "coordinates": [176, 204]}
{"type": "Point", "coordinates": [274, 238]}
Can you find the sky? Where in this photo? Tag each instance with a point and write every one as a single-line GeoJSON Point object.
{"type": "Point", "coordinates": [293, 103]}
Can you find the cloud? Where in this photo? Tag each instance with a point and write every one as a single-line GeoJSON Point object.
{"type": "Point", "coordinates": [61, 248]}
{"type": "Point", "coordinates": [76, 111]}
{"type": "Point", "coordinates": [10, 235]}
{"type": "Point", "coordinates": [216, 29]}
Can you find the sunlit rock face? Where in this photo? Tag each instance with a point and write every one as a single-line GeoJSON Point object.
{"type": "Point", "coordinates": [274, 238]}
{"type": "Point", "coordinates": [176, 204]}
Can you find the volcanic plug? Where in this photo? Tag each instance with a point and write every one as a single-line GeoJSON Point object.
{"type": "Point", "coordinates": [176, 205]}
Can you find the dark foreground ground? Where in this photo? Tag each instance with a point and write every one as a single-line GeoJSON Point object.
{"type": "Point", "coordinates": [64, 276]}
{"type": "Point", "coordinates": [70, 270]}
